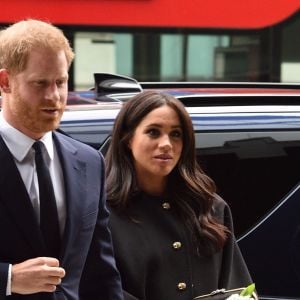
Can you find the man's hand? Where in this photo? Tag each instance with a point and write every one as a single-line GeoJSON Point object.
{"type": "Point", "coordinates": [41, 274]}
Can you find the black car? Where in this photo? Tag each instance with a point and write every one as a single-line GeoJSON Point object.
{"type": "Point", "coordinates": [248, 141]}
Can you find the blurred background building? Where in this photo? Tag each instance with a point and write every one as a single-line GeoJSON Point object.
{"type": "Point", "coordinates": [163, 40]}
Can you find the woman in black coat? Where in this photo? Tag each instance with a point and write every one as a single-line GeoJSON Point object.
{"type": "Point", "coordinates": [173, 236]}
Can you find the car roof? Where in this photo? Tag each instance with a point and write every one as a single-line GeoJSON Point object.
{"type": "Point", "coordinates": [110, 91]}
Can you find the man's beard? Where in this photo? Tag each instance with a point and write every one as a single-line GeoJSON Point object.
{"type": "Point", "coordinates": [30, 116]}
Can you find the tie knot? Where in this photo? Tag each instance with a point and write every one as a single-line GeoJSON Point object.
{"type": "Point", "coordinates": [37, 146]}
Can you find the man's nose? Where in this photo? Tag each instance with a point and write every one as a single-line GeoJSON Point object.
{"type": "Point", "coordinates": [52, 92]}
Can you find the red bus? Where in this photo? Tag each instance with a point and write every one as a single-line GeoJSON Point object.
{"type": "Point", "coordinates": [164, 40]}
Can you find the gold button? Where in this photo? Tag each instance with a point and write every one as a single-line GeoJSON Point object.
{"type": "Point", "coordinates": [166, 205]}
{"type": "Point", "coordinates": [181, 286]}
{"type": "Point", "coordinates": [176, 245]}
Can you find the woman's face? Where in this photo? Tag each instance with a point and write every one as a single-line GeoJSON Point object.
{"type": "Point", "coordinates": [156, 145]}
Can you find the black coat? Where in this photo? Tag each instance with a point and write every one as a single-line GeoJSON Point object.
{"type": "Point", "coordinates": [155, 258]}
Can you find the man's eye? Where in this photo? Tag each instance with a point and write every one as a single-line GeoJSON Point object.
{"type": "Point", "coordinates": [40, 82]}
{"type": "Point", "coordinates": [60, 82]}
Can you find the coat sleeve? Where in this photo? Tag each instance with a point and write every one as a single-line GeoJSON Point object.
{"type": "Point", "coordinates": [100, 278]}
{"type": "Point", "coordinates": [234, 272]}
{"type": "Point", "coordinates": [128, 296]}
{"type": "Point", "coordinates": [3, 278]}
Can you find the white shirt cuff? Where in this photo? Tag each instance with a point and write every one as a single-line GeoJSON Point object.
{"type": "Point", "coordinates": [8, 286]}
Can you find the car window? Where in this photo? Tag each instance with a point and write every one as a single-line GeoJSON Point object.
{"type": "Point", "coordinates": [253, 171]}
{"type": "Point", "coordinates": [91, 134]}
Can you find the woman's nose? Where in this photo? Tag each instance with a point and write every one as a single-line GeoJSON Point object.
{"type": "Point", "coordinates": [165, 142]}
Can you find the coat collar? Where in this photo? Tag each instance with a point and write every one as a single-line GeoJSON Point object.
{"type": "Point", "coordinates": [74, 171]}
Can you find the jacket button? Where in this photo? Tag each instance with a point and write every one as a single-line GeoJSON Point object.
{"type": "Point", "coordinates": [181, 286]}
{"type": "Point", "coordinates": [166, 205]}
{"type": "Point", "coordinates": [176, 245]}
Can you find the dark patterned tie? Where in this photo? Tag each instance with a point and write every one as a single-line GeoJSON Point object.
{"type": "Point", "coordinates": [48, 211]}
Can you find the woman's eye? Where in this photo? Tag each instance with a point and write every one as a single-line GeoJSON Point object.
{"type": "Point", "coordinates": [153, 132]}
{"type": "Point", "coordinates": [176, 134]}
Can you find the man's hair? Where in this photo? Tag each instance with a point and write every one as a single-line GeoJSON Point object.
{"type": "Point", "coordinates": [17, 40]}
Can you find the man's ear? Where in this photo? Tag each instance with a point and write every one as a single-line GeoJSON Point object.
{"type": "Point", "coordinates": [4, 81]}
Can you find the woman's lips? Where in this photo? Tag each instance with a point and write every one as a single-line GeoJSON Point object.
{"type": "Point", "coordinates": [163, 157]}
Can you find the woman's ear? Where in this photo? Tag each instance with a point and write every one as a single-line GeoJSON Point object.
{"type": "Point", "coordinates": [4, 81]}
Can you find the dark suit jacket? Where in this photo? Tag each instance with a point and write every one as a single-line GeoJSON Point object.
{"type": "Point", "coordinates": [86, 252]}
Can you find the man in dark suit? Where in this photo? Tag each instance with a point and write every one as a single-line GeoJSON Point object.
{"type": "Point", "coordinates": [68, 256]}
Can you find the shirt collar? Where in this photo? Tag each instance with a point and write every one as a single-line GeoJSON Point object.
{"type": "Point", "coordinates": [19, 144]}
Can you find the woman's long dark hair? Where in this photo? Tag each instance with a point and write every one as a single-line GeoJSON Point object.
{"type": "Point", "coordinates": [192, 191]}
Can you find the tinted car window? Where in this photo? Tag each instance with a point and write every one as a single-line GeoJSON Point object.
{"type": "Point", "coordinates": [253, 171]}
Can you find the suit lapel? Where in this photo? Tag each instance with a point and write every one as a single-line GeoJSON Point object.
{"type": "Point", "coordinates": [15, 198]}
{"type": "Point", "coordinates": [74, 172]}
